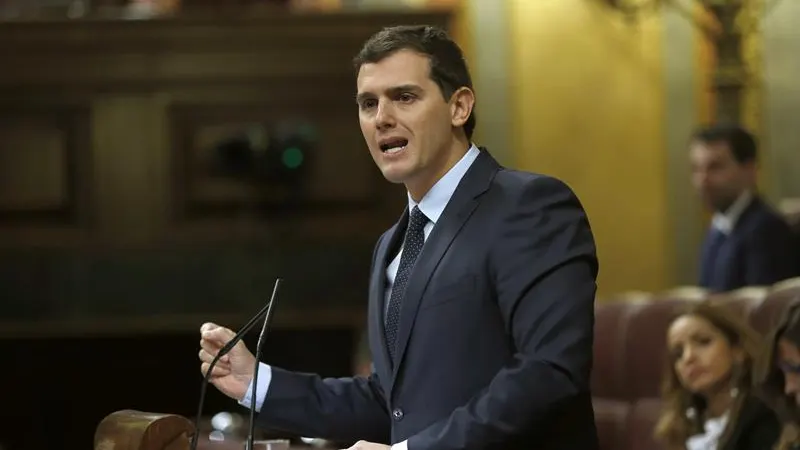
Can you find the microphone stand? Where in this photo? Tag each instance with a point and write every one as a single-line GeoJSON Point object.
{"type": "Point", "coordinates": [222, 352]}
{"type": "Point", "coordinates": [264, 327]}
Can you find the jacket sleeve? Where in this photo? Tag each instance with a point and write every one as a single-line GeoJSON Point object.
{"type": "Point", "coordinates": [337, 409]}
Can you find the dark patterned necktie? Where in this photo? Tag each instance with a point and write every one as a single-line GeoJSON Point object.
{"type": "Point", "coordinates": [708, 263]}
{"type": "Point", "coordinates": [412, 246]}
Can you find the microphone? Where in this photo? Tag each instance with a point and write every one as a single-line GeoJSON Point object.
{"type": "Point", "coordinates": [259, 343]}
{"type": "Point", "coordinates": [224, 351]}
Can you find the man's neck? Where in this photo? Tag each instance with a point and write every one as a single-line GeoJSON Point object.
{"type": "Point", "coordinates": [730, 208]}
{"type": "Point", "coordinates": [458, 149]}
{"type": "Point", "coordinates": [726, 221]}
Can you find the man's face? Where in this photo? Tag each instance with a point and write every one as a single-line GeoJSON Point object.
{"type": "Point", "coordinates": [717, 176]}
{"type": "Point", "coordinates": [406, 122]}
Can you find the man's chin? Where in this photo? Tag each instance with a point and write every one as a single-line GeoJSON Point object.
{"type": "Point", "coordinates": [707, 202]}
{"type": "Point", "coordinates": [394, 176]}
{"type": "Point", "coordinates": [717, 204]}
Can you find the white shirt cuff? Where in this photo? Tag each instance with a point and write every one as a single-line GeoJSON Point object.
{"type": "Point", "coordinates": [400, 446]}
{"type": "Point", "coordinates": [264, 378]}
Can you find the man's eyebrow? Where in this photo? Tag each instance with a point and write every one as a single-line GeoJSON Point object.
{"type": "Point", "coordinates": [393, 91]}
{"type": "Point", "coordinates": [405, 88]}
{"type": "Point", "coordinates": [361, 96]}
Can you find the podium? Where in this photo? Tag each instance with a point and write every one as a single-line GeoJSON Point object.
{"type": "Point", "coordinates": [138, 430]}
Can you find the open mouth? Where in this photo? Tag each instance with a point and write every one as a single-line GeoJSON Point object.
{"type": "Point", "coordinates": [394, 146]}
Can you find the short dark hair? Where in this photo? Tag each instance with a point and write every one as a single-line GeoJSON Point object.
{"type": "Point", "coordinates": [448, 67]}
{"type": "Point", "coordinates": [741, 142]}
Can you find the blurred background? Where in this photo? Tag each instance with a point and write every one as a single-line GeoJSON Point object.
{"type": "Point", "coordinates": [162, 161]}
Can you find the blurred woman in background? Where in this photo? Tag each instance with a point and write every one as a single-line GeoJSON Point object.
{"type": "Point", "coordinates": [708, 403]}
{"type": "Point", "coordinates": [778, 376]}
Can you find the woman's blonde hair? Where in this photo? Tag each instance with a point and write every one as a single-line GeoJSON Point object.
{"type": "Point", "coordinates": [683, 414]}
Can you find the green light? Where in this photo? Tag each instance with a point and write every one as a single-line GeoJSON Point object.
{"type": "Point", "coordinates": [292, 157]}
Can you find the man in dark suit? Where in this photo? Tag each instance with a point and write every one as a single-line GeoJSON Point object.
{"type": "Point", "coordinates": [749, 243]}
{"type": "Point", "coordinates": [481, 300]}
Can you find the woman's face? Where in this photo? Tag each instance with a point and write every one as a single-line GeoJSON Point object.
{"type": "Point", "coordinates": [702, 356]}
{"type": "Point", "coordinates": [788, 356]}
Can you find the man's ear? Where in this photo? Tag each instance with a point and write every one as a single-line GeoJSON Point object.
{"type": "Point", "coordinates": [461, 103]}
{"type": "Point", "coordinates": [751, 169]}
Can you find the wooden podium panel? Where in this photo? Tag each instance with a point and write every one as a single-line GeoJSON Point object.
{"type": "Point", "coordinates": [139, 430]}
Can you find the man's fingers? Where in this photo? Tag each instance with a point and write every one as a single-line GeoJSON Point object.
{"type": "Point", "coordinates": [212, 338]}
{"type": "Point", "coordinates": [207, 357]}
{"type": "Point", "coordinates": [208, 326]}
{"type": "Point", "coordinates": [216, 372]}
{"type": "Point", "coordinates": [211, 349]}
{"type": "Point", "coordinates": [217, 336]}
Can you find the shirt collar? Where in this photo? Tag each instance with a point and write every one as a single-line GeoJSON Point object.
{"type": "Point", "coordinates": [434, 202]}
{"type": "Point", "coordinates": [726, 221]}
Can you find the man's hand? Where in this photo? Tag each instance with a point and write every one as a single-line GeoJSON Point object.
{"type": "Point", "coordinates": [364, 445]}
{"type": "Point", "coordinates": [233, 372]}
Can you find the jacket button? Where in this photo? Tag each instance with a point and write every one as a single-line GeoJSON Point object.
{"type": "Point", "coordinates": [397, 414]}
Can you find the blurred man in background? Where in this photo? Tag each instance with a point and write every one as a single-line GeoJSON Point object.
{"type": "Point", "coordinates": [748, 243]}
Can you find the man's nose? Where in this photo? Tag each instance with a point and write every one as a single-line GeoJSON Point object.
{"type": "Point", "coordinates": [384, 117]}
{"type": "Point", "coordinates": [701, 179]}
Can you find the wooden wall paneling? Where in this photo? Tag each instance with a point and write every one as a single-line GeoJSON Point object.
{"type": "Point", "coordinates": [144, 78]}
{"type": "Point", "coordinates": [100, 111]}
{"type": "Point", "coordinates": [341, 175]}
{"type": "Point", "coordinates": [45, 167]}
{"type": "Point", "coordinates": [136, 54]}
{"type": "Point", "coordinates": [122, 106]}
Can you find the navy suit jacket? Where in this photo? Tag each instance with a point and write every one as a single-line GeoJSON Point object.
{"type": "Point", "coordinates": [494, 344]}
{"type": "Point", "coordinates": [760, 250]}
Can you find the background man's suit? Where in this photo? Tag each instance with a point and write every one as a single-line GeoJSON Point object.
{"type": "Point", "coordinates": [759, 249]}
{"type": "Point", "coordinates": [494, 343]}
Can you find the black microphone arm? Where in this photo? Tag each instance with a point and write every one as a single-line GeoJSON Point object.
{"type": "Point", "coordinates": [264, 328]}
{"type": "Point", "coordinates": [266, 310]}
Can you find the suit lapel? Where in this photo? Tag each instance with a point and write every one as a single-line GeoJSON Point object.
{"type": "Point", "coordinates": [461, 205]}
{"type": "Point", "coordinates": [377, 295]}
